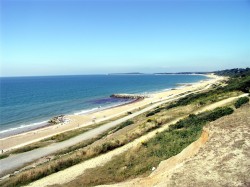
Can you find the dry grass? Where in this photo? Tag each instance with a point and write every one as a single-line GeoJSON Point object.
{"type": "Point", "coordinates": [141, 160]}
{"type": "Point", "coordinates": [57, 138]}
{"type": "Point", "coordinates": [106, 142]}
{"type": "Point", "coordinates": [96, 146]}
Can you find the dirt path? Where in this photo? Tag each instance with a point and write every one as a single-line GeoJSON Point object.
{"type": "Point", "coordinates": [220, 103]}
{"type": "Point", "coordinates": [18, 160]}
{"type": "Point", "coordinates": [223, 161]}
{"type": "Point", "coordinates": [74, 171]}
{"type": "Point", "coordinates": [15, 161]}
{"type": "Point", "coordinates": [78, 121]}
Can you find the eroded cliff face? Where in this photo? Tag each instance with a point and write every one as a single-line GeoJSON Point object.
{"type": "Point", "coordinates": [220, 157]}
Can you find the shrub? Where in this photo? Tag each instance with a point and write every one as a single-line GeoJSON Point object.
{"type": "Point", "coordinates": [217, 113]}
{"type": "Point", "coordinates": [149, 120]}
{"type": "Point", "coordinates": [124, 124]}
{"type": "Point", "coordinates": [153, 112]}
{"type": "Point", "coordinates": [140, 160]}
{"type": "Point", "coordinates": [241, 101]}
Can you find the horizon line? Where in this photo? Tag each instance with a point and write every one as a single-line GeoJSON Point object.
{"type": "Point", "coordinates": [126, 73]}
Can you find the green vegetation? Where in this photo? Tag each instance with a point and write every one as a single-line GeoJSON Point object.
{"type": "Point", "coordinates": [81, 152]}
{"type": "Point", "coordinates": [78, 153]}
{"type": "Point", "coordinates": [125, 124]}
{"type": "Point", "coordinates": [81, 145]}
{"type": "Point", "coordinates": [58, 138]}
{"type": "Point", "coordinates": [53, 139]}
{"type": "Point", "coordinates": [153, 112]}
{"type": "Point", "coordinates": [24, 149]}
{"type": "Point", "coordinates": [101, 149]}
{"type": "Point", "coordinates": [149, 154]}
{"type": "Point", "coordinates": [237, 72]}
{"type": "Point", "coordinates": [142, 159]}
{"type": "Point", "coordinates": [241, 101]}
{"type": "Point", "coordinates": [201, 99]}
{"type": "Point", "coordinates": [4, 156]}
{"type": "Point", "coordinates": [238, 83]}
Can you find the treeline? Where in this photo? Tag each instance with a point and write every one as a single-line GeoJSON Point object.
{"type": "Point", "coordinates": [236, 72]}
{"type": "Point", "coordinates": [239, 82]}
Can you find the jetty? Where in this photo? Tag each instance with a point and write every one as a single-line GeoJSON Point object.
{"type": "Point", "coordinates": [130, 96]}
{"type": "Point", "coordinates": [58, 120]}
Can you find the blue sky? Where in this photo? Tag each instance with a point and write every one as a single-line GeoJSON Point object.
{"type": "Point", "coordinates": [55, 37]}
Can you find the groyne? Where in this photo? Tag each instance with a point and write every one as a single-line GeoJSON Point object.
{"type": "Point", "coordinates": [129, 96]}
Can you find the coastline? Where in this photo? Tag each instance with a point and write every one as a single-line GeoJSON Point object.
{"type": "Point", "coordinates": [78, 121]}
{"type": "Point", "coordinates": [20, 122]}
{"type": "Point", "coordinates": [47, 124]}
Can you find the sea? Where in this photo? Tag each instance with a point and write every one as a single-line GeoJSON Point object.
{"type": "Point", "coordinates": [28, 103]}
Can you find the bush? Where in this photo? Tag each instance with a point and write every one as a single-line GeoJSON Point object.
{"type": "Point", "coordinates": [217, 113]}
{"type": "Point", "coordinates": [124, 124]}
{"type": "Point", "coordinates": [149, 120]}
{"type": "Point", "coordinates": [153, 112]}
{"type": "Point", "coordinates": [242, 84]}
{"type": "Point", "coordinates": [241, 101]}
{"type": "Point", "coordinates": [140, 160]}
{"type": "Point", "coordinates": [201, 119]}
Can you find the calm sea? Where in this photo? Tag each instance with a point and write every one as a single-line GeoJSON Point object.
{"type": "Point", "coordinates": [28, 102]}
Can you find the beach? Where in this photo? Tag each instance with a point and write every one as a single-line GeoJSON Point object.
{"type": "Point", "coordinates": [83, 120]}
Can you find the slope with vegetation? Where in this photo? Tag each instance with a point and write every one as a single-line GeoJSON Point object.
{"type": "Point", "coordinates": [141, 125]}
{"type": "Point", "coordinates": [222, 161]}
{"type": "Point", "coordinates": [142, 159]}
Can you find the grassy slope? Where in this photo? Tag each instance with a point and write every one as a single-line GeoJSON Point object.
{"type": "Point", "coordinates": [142, 159]}
{"type": "Point", "coordinates": [80, 155]}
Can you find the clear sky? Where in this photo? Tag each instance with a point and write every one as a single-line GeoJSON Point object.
{"type": "Point", "coordinates": [53, 37]}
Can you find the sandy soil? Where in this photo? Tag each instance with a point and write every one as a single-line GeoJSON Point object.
{"type": "Point", "coordinates": [77, 121]}
{"type": "Point", "coordinates": [71, 173]}
{"type": "Point", "coordinates": [224, 160]}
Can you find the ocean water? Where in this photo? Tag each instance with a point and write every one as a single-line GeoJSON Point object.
{"type": "Point", "coordinates": [29, 102]}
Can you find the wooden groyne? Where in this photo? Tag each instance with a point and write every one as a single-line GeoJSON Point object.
{"type": "Point", "coordinates": [129, 96]}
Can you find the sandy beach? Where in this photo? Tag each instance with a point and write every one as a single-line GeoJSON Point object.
{"type": "Point", "coordinates": [78, 121]}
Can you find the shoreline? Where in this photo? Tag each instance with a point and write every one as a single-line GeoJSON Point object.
{"type": "Point", "coordinates": [47, 124]}
{"type": "Point", "coordinates": [32, 126]}
{"type": "Point", "coordinates": [78, 121]}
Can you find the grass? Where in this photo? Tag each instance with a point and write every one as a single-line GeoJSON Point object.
{"type": "Point", "coordinates": [153, 112]}
{"type": "Point", "coordinates": [199, 99]}
{"type": "Point", "coordinates": [84, 144]}
{"type": "Point", "coordinates": [83, 151]}
{"type": "Point", "coordinates": [125, 124]}
{"type": "Point", "coordinates": [205, 98]}
{"type": "Point", "coordinates": [142, 159]}
{"type": "Point", "coordinates": [241, 101]}
{"type": "Point", "coordinates": [70, 134]}
{"type": "Point", "coordinates": [155, 150]}
{"type": "Point", "coordinates": [24, 149]}
{"type": "Point", "coordinates": [56, 138]}
{"type": "Point", "coordinates": [65, 136]}
{"type": "Point", "coordinates": [53, 139]}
